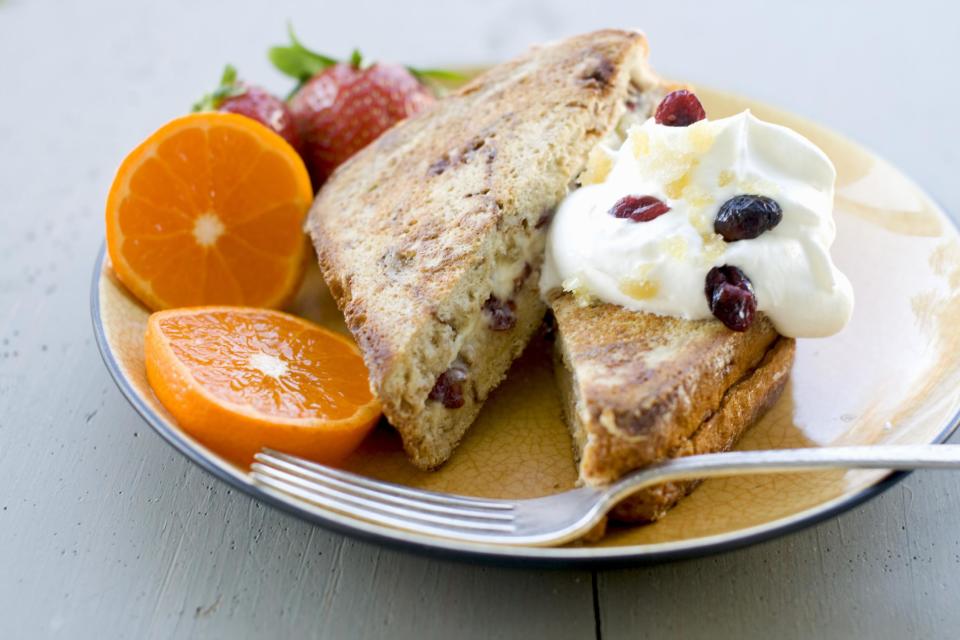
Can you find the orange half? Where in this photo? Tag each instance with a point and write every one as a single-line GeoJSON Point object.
{"type": "Point", "coordinates": [239, 379]}
{"type": "Point", "coordinates": [209, 210]}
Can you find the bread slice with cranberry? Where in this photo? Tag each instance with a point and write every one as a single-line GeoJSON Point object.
{"type": "Point", "coordinates": [431, 238]}
{"type": "Point", "coordinates": [639, 388]}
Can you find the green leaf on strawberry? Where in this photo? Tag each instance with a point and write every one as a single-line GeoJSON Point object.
{"type": "Point", "coordinates": [297, 61]}
{"type": "Point", "coordinates": [301, 64]}
{"type": "Point", "coordinates": [443, 75]}
{"type": "Point", "coordinates": [228, 88]}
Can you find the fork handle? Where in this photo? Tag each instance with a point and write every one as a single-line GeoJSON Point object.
{"type": "Point", "coordinates": [735, 463]}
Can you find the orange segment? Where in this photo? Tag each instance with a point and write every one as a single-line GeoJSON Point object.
{"type": "Point", "coordinates": [239, 379]}
{"type": "Point", "coordinates": [209, 210]}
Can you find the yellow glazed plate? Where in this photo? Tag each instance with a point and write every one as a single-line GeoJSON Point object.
{"type": "Point", "coordinates": [892, 376]}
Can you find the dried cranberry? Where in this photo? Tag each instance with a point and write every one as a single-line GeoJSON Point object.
{"type": "Point", "coordinates": [747, 216]}
{"type": "Point", "coordinates": [730, 297]}
{"type": "Point", "coordinates": [448, 389]}
{"type": "Point", "coordinates": [639, 208]}
{"type": "Point", "coordinates": [501, 314]}
{"type": "Point", "coordinates": [679, 109]}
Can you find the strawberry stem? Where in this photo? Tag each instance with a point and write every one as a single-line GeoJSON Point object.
{"type": "Point", "coordinates": [355, 58]}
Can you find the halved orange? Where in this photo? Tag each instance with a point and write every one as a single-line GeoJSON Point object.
{"type": "Point", "coordinates": [209, 210]}
{"type": "Point", "coordinates": [238, 379]}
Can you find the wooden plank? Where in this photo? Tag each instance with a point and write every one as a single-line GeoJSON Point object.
{"type": "Point", "coordinates": [886, 570]}
{"type": "Point", "coordinates": [104, 530]}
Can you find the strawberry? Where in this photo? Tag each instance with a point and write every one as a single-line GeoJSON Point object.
{"type": "Point", "coordinates": [251, 101]}
{"type": "Point", "coordinates": [340, 107]}
{"type": "Point", "coordinates": [343, 109]}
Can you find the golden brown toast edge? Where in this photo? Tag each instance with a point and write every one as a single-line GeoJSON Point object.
{"type": "Point", "coordinates": [744, 386]}
{"type": "Point", "coordinates": [742, 406]}
{"type": "Point", "coordinates": [646, 381]}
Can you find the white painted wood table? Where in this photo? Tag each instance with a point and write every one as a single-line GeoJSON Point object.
{"type": "Point", "coordinates": [106, 532]}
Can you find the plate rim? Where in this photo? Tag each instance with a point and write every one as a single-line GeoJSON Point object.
{"type": "Point", "coordinates": [528, 557]}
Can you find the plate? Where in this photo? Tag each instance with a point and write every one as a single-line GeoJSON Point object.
{"type": "Point", "coordinates": [891, 376]}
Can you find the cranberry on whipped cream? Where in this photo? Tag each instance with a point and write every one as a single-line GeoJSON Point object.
{"type": "Point", "coordinates": [660, 265]}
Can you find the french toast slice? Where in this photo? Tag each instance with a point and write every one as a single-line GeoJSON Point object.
{"type": "Point", "coordinates": [431, 238]}
{"type": "Point", "coordinates": [639, 388]}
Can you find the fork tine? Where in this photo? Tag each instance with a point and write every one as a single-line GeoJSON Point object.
{"type": "Point", "coordinates": [369, 509]}
{"type": "Point", "coordinates": [353, 488]}
{"type": "Point", "coordinates": [318, 502]}
{"type": "Point", "coordinates": [269, 456]}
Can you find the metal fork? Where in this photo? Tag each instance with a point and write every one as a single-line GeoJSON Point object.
{"type": "Point", "coordinates": [560, 518]}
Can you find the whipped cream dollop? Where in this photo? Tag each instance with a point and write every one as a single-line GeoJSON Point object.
{"type": "Point", "coordinates": [660, 266]}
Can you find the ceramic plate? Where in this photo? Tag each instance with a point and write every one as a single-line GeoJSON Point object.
{"type": "Point", "coordinates": [890, 377]}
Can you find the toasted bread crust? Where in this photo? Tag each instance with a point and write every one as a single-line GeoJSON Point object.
{"type": "Point", "coordinates": [742, 406]}
{"type": "Point", "coordinates": [410, 231]}
{"type": "Point", "coordinates": [640, 388]}
{"type": "Point", "coordinates": [645, 383]}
